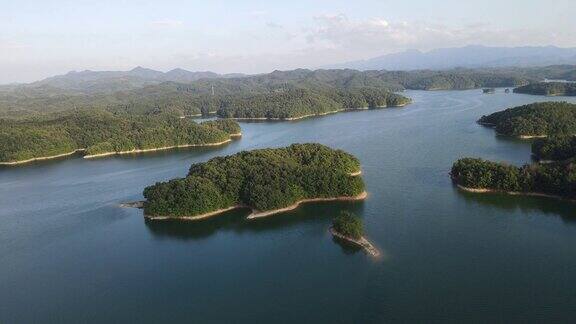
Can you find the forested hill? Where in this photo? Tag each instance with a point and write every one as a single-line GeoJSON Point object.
{"type": "Point", "coordinates": [298, 103]}
{"type": "Point", "coordinates": [100, 132]}
{"type": "Point", "coordinates": [211, 93]}
{"type": "Point", "coordinates": [557, 179]}
{"type": "Point", "coordinates": [537, 119]}
{"type": "Point", "coordinates": [263, 180]}
{"type": "Point", "coordinates": [549, 89]}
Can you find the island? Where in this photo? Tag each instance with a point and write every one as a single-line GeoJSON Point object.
{"type": "Point", "coordinates": [553, 124]}
{"type": "Point", "coordinates": [548, 89]}
{"type": "Point", "coordinates": [97, 133]}
{"type": "Point", "coordinates": [267, 181]}
{"type": "Point", "coordinates": [536, 120]}
{"type": "Point", "coordinates": [293, 104]}
{"type": "Point", "coordinates": [349, 228]}
{"type": "Point", "coordinates": [555, 179]}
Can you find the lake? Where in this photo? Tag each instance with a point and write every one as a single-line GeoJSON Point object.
{"type": "Point", "coordinates": [69, 254]}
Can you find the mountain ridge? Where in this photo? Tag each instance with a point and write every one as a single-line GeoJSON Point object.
{"type": "Point", "coordinates": [471, 56]}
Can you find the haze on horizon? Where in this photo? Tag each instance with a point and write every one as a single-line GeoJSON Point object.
{"type": "Point", "coordinates": [44, 38]}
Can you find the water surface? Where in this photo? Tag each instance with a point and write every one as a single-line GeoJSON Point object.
{"type": "Point", "coordinates": [69, 254]}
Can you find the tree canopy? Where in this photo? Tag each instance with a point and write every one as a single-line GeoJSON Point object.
{"type": "Point", "coordinates": [536, 119]}
{"type": "Point", "coordinates": [558, 178]}
{"type": "Point", "coordinates": [263, 180]}
{"type": "Point", "coordinates": [348, 225]}
{"type": "Point", "coordinates": [99, 132]}
{"type": "Point", "coordinates": [549, 89]}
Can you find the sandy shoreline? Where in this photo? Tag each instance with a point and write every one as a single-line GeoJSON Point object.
{"type": "Point", "coordinates": [491, 125]}
{"type": "Point", "coordinates": [253, 215]}
{"type": "Point", "coordinates": [154, 149]}
{"type": "Point", "coordinates": [257, 214]}
{"type": "Point", "coordinates": [315, 115]}
{"type": "Point", "coordinates": [355, 174]}
{"type": "Point", "coordinates": [515, 193]}
{"type": "Point", "coordinates": [119, 153]}
{"type": "Point", "coordinates": [193, 218]}
{"type": "Point", "coordinates": [362, 242]}
{"type": "Point", "coordinates": [42, 158]}
{"type": "Point", "coordinates": [532, 136]}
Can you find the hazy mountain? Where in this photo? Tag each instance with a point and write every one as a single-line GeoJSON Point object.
{"type": "Point", "coordinates": [469, 57]}
{"type": "Point", "coordinates": [111, 81]}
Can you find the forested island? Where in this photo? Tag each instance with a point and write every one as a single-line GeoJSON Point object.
{"type": "Point", "coordinates": [267, 181]}
{"type": "Point", "coordinates": [99, 133]}
{"type": "Point", "coordinates": [548, 89]}
{"type": "Point", "coordinates": [349, 228]}
{"type": "Point", "coordinates": [554, 123]}
{"type": "Point", "coordinates": [557, 179]}
{"type": "Point", "coordinates": [300, 103]}
{"type": "Point", "coordinates": [534, 120]}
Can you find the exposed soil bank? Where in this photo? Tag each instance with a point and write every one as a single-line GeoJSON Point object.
{"type": "Point", "coordinates": [535, 194]}
{"type": "Point", "coordinates": [154, 149]}
{"type": "Point", "coordinates": [42, 158]}
{"type": "Point", "coordinates": [253, 215]}
{"type": "Point", "coordinates": [193, 218]}
{"type": "Point", "coordinates": [257, 214]}
{"type": "Point", "coordinates": [362, 242]}
{"type": "Point", "coordinates": [314, 115]}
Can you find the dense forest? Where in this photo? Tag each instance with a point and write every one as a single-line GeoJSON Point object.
{"type": "Point", "coordinates": [188, 93]}
{"type": "Point", "coordinates": [549, 89]}
{"type": "Point", "coordinates": [263, 180]}
{"type": "Point", "coordinates": [299, 102]}
{"type": "Point", "coordinates": [348, 225]}
{"type": "Point", "coordinates": [537, 119]}
{"type": "Point", "coordinates": [555, 148]}
{"type": "Point", "coordinates": [99, 132]}
{"type": "Point", "coordinates": [557, 178]}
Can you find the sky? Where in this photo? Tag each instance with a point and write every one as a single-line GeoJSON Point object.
{"type": "Point", "coordinates": [41, 38]}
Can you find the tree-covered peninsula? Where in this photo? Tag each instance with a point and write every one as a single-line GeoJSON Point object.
{"type": "Point", "coordinates": [298, 103]}
{"type": "Point", "coordinates": [552, 179]}
{"type": "Point", "coordinates": [534, 120]}
{"type": "Point", "coordinates": [103, 133]}
{"type": "Point", "coordinates": [554, 148]}
{"type": "Point", "coordinates": [265, 180]}
{"type": "Point", "coordinates": [548, 89]}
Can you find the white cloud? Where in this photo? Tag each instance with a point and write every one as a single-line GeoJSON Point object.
{"type": "Point", "coordinates": [379, 36]}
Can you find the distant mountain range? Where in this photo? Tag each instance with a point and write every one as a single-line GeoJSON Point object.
{"type": "Point", "coordinates": [467, 57]}
{"type": "Point", "coordinates": [111, 81]}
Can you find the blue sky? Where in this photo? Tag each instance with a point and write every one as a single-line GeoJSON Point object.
{"type": "Point", "coordinates": [43, 38]}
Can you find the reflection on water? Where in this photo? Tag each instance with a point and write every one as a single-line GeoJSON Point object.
{"type": "Point", "coordinates": [523, 203]}
{"type": "Point", "coordinates": [235, 221]}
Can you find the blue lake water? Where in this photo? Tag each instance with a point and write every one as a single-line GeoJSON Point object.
{"type": "Point", "coordinates": [69, 254]}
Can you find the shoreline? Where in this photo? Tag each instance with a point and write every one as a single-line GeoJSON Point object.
{"type": "Point", "coordinates": [355, 174]}
{"type": "Point", "coordinates": [531, 136]}
{"type": "Point", "coordinates": [154, 149]}
{"type": "Point", "coordinates": [253, 215]}
{"type": "Point", "coordinates": [196, 217]}
{"type": "Point", "coordinates": [362, 242]}
{"type": "Point", "coordinates": [317, 115]}
{"type": "Point", "coordinates": [513, 193]}
{"type": "Point", "coordinates": [257, 214]}
{"type": "Point", "coordinates": [134, 151]}
{"type": "Point", "coordinates": [42, 158]}
{"type": "Point", "coordinates": [491, 125]}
